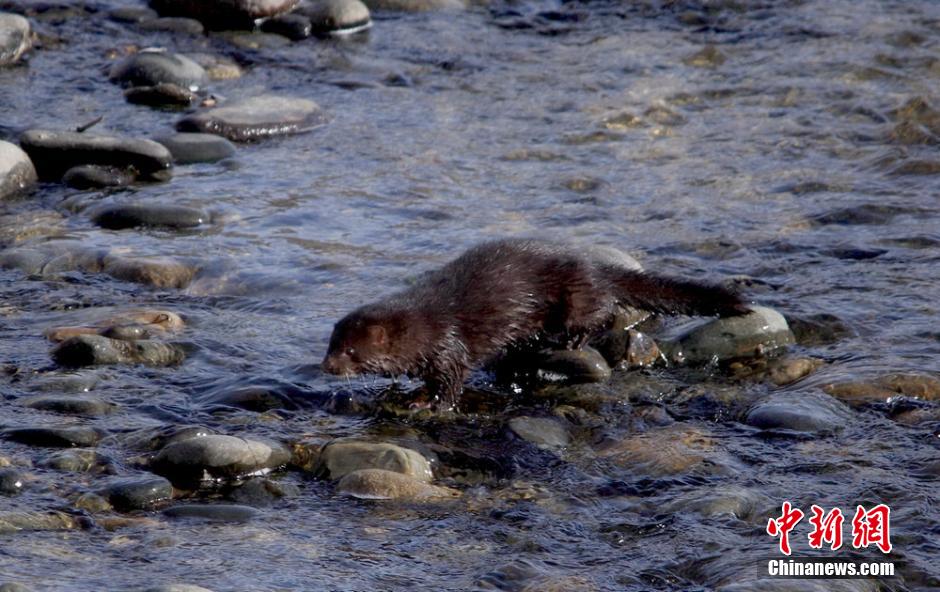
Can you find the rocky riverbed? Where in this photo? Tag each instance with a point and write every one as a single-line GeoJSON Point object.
{"type": "Point", "coordinates": [191, 193]}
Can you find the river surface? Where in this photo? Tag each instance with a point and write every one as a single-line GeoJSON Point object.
{"type": "Point", "coordinates": [747, 140]}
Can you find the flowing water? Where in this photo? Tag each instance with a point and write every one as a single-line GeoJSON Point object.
{"type": "Point", "coordinates": [754, 140]}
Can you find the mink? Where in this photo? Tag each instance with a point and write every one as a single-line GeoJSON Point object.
{"type": "Point", "coordinates": [498, 295]}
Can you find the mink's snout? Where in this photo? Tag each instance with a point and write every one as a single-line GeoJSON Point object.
{"type": "Point", "coordinates": [338, 364]}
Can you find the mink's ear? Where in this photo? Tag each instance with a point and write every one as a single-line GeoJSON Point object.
{"type": "Point", "coordinates": [377, 335]}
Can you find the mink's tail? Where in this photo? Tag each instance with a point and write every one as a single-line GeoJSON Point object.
{"type": "Point", "coordinates": [672, 296]}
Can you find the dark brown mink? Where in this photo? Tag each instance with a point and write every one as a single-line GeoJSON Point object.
{"type": "Point", "coordinates": [501, 294]}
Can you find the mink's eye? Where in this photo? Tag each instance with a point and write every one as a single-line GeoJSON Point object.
{"type": "Point", "coordinates": [350, 351]}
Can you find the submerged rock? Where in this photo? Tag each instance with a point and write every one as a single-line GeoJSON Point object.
{"type": "Point", "coordinates": [177, 588]}
{"type": "Point", "coordinates": [256, 118]}
{"type": "Point", "coordinates": [151, 67]}
{"type": "Point", "coordinates": [189, 148]}
{"type": "Point", "coordinates": [91, 176]}
{"type": "Point", "coordinates": [186, 26]}
{"type": "Point", "coordinates": [11, 482]}
{"type": "Point", "coordinates": [70, 404]}
{"type": "Point", "coordinates": [380, 484]}
{"type": "Point", "coordinates": [15, 37]}
{"type": "Point", "coordinates": [882, 388]}
{"type": "Point", "coordinates": [224, 14]}
{"type": "Point", "coordinates": [17, 173]}
{"type": "Point", "coordinates": [217, 457]}
{"type": "Point", "coordinates": [213, 512]}
{"type": "Point", "coordinates": [137, 493]}
{"type": "Point", "coordinates": [217, 67]}
{"type": "Point", "coordinates": [92, 350]}
{"type": "Point", "coordinates": [13, 521]}
{"type": "Point", "coordinates": [121, 216]}
{"type": "Point", "coordinates": [337, 17]}
{"type": "Point", "coordinates": [544, 432]}
{"type": "Point", "coordinates": [341, 457]}
{"type": "Point", "coordinates": [671, 450]}
{"type": "Point", "coordinates": [59, 437]}
{"type": "Point", "coordinates": [159, 272]}
{"type": "Point", "coordinates": [799, 412]}
{"type": "Point", "coordinates": [130, 324]}
{"type": "Point", "coordinates": [759, 333]}
{"type": "Point", "coordinates": [160, 95]}
{"type": "Point", "coordinates": [78, 461]}
{"type": "Point", "coordinates": [55, 152]}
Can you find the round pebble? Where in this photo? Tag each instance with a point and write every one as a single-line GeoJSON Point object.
{"type": "Point", "coordinates": [341, 457]}
{"type": "Point", "coordinates": [121, 216]}
{"type": "Point", "coordinates": [376, 484]}
{"type": "Point", "coordinates": [256, 118]}
{"type": "Point", "coordinates": [189, 148]}
{"type": "Point", "coordinates": [17, 173]}
{"type": "Point", "coordinates": [217, 457]}
{"type": "Point", "coordinates": [151, 67]}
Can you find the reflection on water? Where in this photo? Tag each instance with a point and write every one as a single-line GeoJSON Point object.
{"type": "Point", "coordinates": [789, 144]}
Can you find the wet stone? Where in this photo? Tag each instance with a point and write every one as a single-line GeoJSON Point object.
{"type": "Point", "coordinates": [232, 14]}
{"type": "Point", "coordinates": [152, 67]}
{"type": "Point", "coordinates": [341, 457]}
{"type": "Point", "coordinates": [544, 432]}
{"type": "Point", "coordinates": [11, 522]}
{"type": "Point", "coordinates": [93, 350]}
{"type": "Point", "coordinates": [158, 272]}
{"type": "Point", "coordinates": [256, 118]}
{"type": "Point", "coordinates": [131, 14]}
{"type": "Point", "coordinates": [14, 587]}
{"type": "Point", "coordinates": [806, 412]}
{"type": "Point", "coordinates": [337, 16]}
{"type": "Point", "coordinates": [671, 450]}
{"type": "Point", "coordinates": [64, 437]}
{"type": "Point", "coordinates": [14, 37]}
{"type": "Point", "coordinates": [212, 512]}
{"type": "Point", "coordinates": [217, 457]}
{"type": "Point", "coordinates": [89, 176]}
{"type": "Point", "coordinates": [182, 25]}
{"type": "Point", "coordinates": [78, 461]}
{"type": "Point", "coordinates": [58, 151]}
{"type": "Point", "coordinates": [11, 481]}
{"type": "Point", "coordinates": [262, 492]}
{"type": "Point", "coordinates": [217, 67]}
{"type": "Point", "coordinates": [378, 484]}
{"type": "Point", "coordinates": [882, 388]}
{"type": "Point", "coordinates": [121, 216]}
{"type": "Point", "coordinates": [253, 398]}
{"type": "Point", "coordinates": [70, 405]}
{"type": "Point", "coordinates": [92, 502]}
{"type": "Point", "coordinates": [759, 333]}
{"type": "Point", "coordinates": [137, 493]}
{"type": "Point", "coordinates": [573, 366]}
{"type": "Point", "coordinates": [17, 173]}
{"type": "Point", "coordinates": [164, 94]}
{"type": "Point", "coordinates": [293, 26]}
{"type": "Point", "coordinates": [707, 57]}
{"type": "Point", "coordinates": [189, 148]}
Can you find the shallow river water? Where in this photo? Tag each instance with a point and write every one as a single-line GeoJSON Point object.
{"type": "Point", "coordinates": [768, 143]}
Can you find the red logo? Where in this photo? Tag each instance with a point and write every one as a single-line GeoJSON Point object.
{"type": "Point", "coordinates": [869, 527]}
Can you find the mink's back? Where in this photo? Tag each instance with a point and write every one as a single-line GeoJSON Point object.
{"type": "Point", "coordinates": [508, 290]}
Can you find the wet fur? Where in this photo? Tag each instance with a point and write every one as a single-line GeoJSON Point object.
{"type": "Point", "coordinates": [498, 295]}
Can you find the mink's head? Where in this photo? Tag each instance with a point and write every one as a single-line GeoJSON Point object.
{"type": "Point", "coordinates": [369, 341]}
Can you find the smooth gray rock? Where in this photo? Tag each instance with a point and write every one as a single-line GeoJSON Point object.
{"type": "Point", "coordinates": [573, 366]}
{"type": "Point", "coordinates": [137, 493]}
{"type": "Point", "coordinates": [15, 521]}
{"type": "Point", "coordinates": [14, 587]}
{"type": "Point", "coordinates": [341, 457]}
{"type": "Point", "coordinates": [152, 67]}
{"type": "Point", "coordinates": [92, 350]}
{"type": "Point", "coordinates": [91, 176]}
{"type": "Point", "coordinates": [337, 16]}
{"type": "Point", "coordinates": [17, 173]}
{"type": "Point", "coordinates": [14, 37]}
{"type": "Point", "coordinates": [256, 118]}
{"type": "Point", "coordinates": [544, 432]}
{"type": "Point", "coordinates": [808, 412]}
{"type": "Point", "coordinates": [78, 461]}
{"type": "Point", "coordinates": [213, 512]}
{"type": "Point", "coordinates": [131, 14]}
{"type": "Point", "coordinates": [164, 95]}
{"type": "Point", "coordinates": [756, 334]}
{"type": "Point", "coordinates": [55, 152]}
{"type": "Point", "coordinates": [70, 404]}
{"type": "Point", "coordinates": [217, 457]}
{"type": "Point", "coordinates": [224, 14]}
{"type": "Point", "coordinates": [185, 26]}
{"type": "Point", "coordinates": [121, 216]}
{"type": "Point", "coordinates": [189, 148]}
{"type": "Point", "coordinates": [60, 437]}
